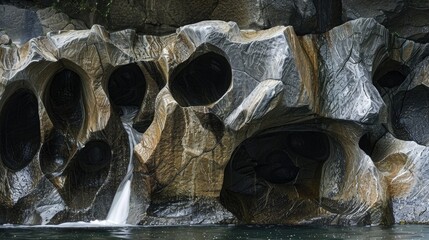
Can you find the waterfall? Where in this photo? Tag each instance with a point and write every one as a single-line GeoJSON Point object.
{"type": "Point", "coordinates": [119, 209]}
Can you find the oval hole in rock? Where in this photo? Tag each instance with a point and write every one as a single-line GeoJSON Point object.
{"type": "Point", "coordinates": [64, 101]}
{"type": "Point", "coordinates": [54, 153]}
{"type": "Point", "coordinates": [389, 75]}
{"type": "Point", "coordinates": [20, 130]}
{"type": "Point", "coordinates": [127, 86]}
{"type": "Point", "coordinates": [203, 80]}
{"type": "Point", "coordinates": [95, 156]}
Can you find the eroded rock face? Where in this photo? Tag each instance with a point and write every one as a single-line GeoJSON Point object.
{"type": "Point", "coordinates": [249, 126]}
{"type": "Point", "coordinates": [406, 18]}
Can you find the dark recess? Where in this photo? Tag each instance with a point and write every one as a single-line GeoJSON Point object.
{"type": "Point", "coordinates": [201, 81]}
{"type": "Point", "coordinates": [391, 79]}
{"type": "Point", "coordinates": [274, 160]}
{"type": "Point", "coordinates": [277, 167]}
{"type": "Point", "coordinates": [275, 157]}
{"type": "Point", "coordinates": [328, 14]}
{"type": "Point", "coordinates": [127, 86]}
{"type": "Point", "coordinates": [20, 129]}
{"type": "Point", "coordinates": [55, 152]}
{"type": "Point", "coordinates": [312, 145]}
{"type": "Point", "coordinates": [388, 76]}
{"type": "Point", "coordinates": [365, 144]}
{"type": "Point", "coordinates": [95, 156]}
{"type": "Point", "coordinates": [64, 101]}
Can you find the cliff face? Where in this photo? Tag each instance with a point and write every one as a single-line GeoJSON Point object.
{"type": "Point", "coordinates": [255, 126]}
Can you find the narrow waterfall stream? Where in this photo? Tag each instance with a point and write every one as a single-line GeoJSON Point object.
{"type": "Point", "coordinates": [118, 212]}
{"type": "Point", "coordinates": [120, 207]}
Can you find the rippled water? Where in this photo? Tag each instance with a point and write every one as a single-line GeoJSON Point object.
{"type": "Point", "coordinates": [215, 232]}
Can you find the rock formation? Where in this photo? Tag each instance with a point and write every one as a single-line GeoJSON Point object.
{"type": "Point", "coordinates": [254, 126]}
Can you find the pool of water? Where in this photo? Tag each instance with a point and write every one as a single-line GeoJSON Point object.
{"type": "Point", "coordinates": [214, 232]}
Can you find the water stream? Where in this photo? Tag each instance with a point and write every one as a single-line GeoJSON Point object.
{"type": "Point", "coordinates": [119, 210]}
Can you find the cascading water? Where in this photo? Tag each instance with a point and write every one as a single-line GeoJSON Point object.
{"type": "Point", "coordinates": [119, 209]}
{"type": "Point", "coordinates": [118, 212]}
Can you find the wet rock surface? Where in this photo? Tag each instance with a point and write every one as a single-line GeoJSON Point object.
{"type": "Point", "coordinates": [238, 126]}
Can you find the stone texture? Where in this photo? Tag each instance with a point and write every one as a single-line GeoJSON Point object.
{"type": "Point", "coordinates": [406, 18]}
{"type": "Point", "coordinates": [22, 24]}
{"type": "Point", "coordinates": [228, 118]}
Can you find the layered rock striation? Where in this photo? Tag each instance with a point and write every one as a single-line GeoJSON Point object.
{"type": "Point", "coordinates": [237, 125]}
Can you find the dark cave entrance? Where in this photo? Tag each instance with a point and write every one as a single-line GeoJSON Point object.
{"type": "Point", "coordinates": [20, 129]}
{"type": "Point", "coordinates": [64, 101]}
{"type": "Point", "coordinates": [127, 86]}
{"type": "Point", "coordinates": [202, 80]}
{"type": "Point", "coordinates": [283, 160]}
{"type": "Point", "coordinates": [388, 76]}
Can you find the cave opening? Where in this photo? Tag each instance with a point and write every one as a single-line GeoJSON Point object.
{"type": "Point", "coordinates": [64, 101]}
{"type": "Point", "coordinates": [202, 80]}
{"type": "Point", "coordinates": [289, 160]}
{"type": "Point", "coordinates": [389, 76]}
{"type": "Point", "coordinates": [127, 86]}
{"type": "Point", "coordinates": [20, 129]}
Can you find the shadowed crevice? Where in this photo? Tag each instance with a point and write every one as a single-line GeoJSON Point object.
{"type": "Point", "coordinates": [20, 129]}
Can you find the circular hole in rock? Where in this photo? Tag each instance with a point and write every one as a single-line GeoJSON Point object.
{"type": "Point", "coordinates": [203, 80]}
{"type": "Point", "coordinates": [64, 100]}
{"type": "Point", "coordinates": [95, 156]}
{"type": "Point", "coordinates": [127, 86]}
{"type": "Point", "coordinates": [20, 129]}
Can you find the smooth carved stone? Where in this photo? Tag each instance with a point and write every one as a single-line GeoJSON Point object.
{"type": "Point", "coordinates": [281, 128]}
